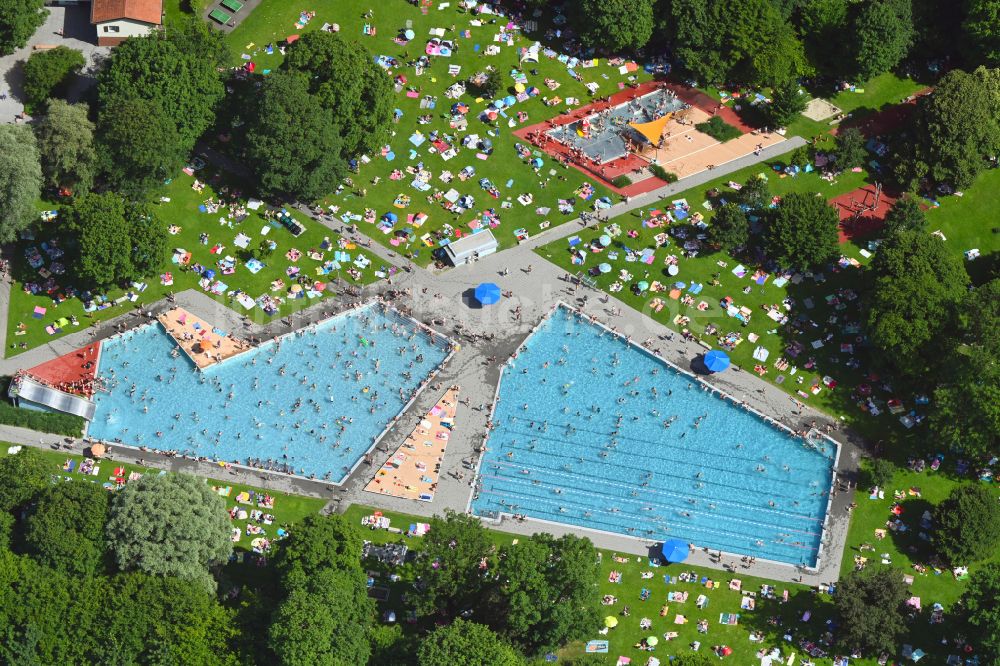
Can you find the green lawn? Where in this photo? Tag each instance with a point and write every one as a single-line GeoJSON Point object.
{"type": "Point", "coordinates": [772, 617]}
{"type": "Point", "coordinates": [905, 550]}
{"type": "Point", "coordinates": [967, 223]}
{"type": "Point", "coordinates": [829, 360]}
{"type": "Point", "coordinates": [24, 331]}
{"type": "Point", "coordinates": [288, 509]}
{"type": "Point", "coordinates": [274, 20]}
{"type": "Point", "coordinates": [884, 90]}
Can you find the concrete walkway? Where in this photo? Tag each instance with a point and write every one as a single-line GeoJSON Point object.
{"type": "Point", "coordinates": [444, 301]}
{"type": "Point", "coordinates": [65, 26]}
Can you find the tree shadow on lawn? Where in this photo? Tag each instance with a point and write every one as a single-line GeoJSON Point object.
{"type": "Point", "coordinates": [910, 542]}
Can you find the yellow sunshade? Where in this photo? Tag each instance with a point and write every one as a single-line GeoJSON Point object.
{"type": "Point", "coordinates": [652, 130]}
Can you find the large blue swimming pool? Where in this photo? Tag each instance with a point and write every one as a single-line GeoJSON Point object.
{"type": "Point", "coordinates": [311, 404]}
{"type": "Point", "coordinates": [593, 432]}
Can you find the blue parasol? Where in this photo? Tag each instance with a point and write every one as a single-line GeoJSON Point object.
{"type": "Point", "coordinates": [488, 293]}
{"type": "Point", "coordinates": [716, 361]}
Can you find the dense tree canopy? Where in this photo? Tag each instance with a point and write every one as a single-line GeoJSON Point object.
{"type": "Point", "coordinates": [182, 83]}
{"type": "Point", "coordinates": [18, 21]}
{"type": "Point", "coordinates": [904, 215]}
{"type": "Point", "coordinates": [883, 34]}
{"type": "Point", "coordinates": [544, 592]}
{"type": "Point", "coordinates": [164, 620]}
{"type": "Point", "coordinates": [66, 146]}
{"type": "Point", "coordinates": [47, 72]}
{"type": "Point", "coordinates": [787, 102]}
{"type": "Point", "coordinates": [956, 129]}
{"type": "Point", "coordinates": [916, 285]}
{"type": "Point", "coordinates": [449, 571]}
{"type": "Point", "coordinates": [147, 237]}
{"type": "Point", "coordinates": [345, 80]}
{"type": "Point", "coordinates": [981, 611]}
{"type": "Point", "coordinates": [465, 643]}
{"type": "Point", "coordinates": [20, 179]}
{"type": "Point", "coordinates": [967, 525]}
{"type": "Point", "coordinates": [22, 476]}
{"type": "Point", "coordinates": [294, 144]}
{"type": "Point", "coordinates": [99, 239]}
{"type": "Point", "coordinates": [869, 605]}
{"type": "Point", "coordinates": [803, 231]}
{"type": "Point", "coordinates": [755, 193]}
{"type": "Point", "coordinates": [138, 156]}
{"type": "Point", "coordinates": [730, 229]}
{"type": "Point", "coordinates": [65, 529]}
{"type": "Point", "coordinates": [320, 542]}
{"type": "Point", "coordinates": [156, 97]}
{"type": "Point", "coordinates": [718, 41]}
{"type": "Point", "coordinates": [47, 615]}
{"type": "Point", "coordinates": [615, 25]}
{"type": "Point", "coordinates": [823, 24]}
{"type": "Point", "coordinates": [169, 525]}
{"type": "Point", "coordinates": [850, 150]}
{"type": "Point", "coordinates": [324, 619]}
{"type": "Point", "coordinates": [982, 27]}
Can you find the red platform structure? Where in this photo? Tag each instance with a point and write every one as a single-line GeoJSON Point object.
{"type": "Point", "coordinates": [75, 372]}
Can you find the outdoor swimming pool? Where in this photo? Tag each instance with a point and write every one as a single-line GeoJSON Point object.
{"type": "Point", "coordinates": [593, 432]}
{"type": "Point", "coordinates": [311, 404]}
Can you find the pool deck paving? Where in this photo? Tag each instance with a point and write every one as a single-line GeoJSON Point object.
{"type": "Point", "coordinates": [444, 301]}
{"type": "Point", "coordinates": [203, 342]}
{"type": "Point", "coordinates": [412, 472]}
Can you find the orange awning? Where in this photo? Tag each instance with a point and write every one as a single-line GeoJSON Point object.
{"type": "Point", "coordinates": [652, 131]}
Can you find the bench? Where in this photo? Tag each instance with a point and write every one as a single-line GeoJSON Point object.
{"type": "Point", "coordinates": [219, 16]}
{"type": "Point", "coordinates": [232, 5]}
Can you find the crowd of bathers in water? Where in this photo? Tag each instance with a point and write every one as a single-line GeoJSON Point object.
{"type": "Point", "coordinates": [309, 398]}
{"type": "Point", "coordinates": [583, 464]}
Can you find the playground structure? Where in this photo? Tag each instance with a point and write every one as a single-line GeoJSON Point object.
{"type": "Point", "coordinates": [626, 133]}
{"type": "Point", "coordinates": [862, 211]}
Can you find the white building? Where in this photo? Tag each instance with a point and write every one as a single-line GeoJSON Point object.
{"type": "Point", "coordinates": [470, 248]}
{"type": "Point", "coordinates": [117, 20]}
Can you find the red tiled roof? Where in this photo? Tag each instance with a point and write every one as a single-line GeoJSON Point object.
{"type": "Point", "coordinates": [147, 11]}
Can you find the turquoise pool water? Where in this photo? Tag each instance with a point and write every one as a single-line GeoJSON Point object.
{"type": "Point", "coordinates": [311, 404]}
{"type": "Point", "coordinates": [593, 432]}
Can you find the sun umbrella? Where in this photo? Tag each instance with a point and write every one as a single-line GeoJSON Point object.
{"type": "Point", "coordinates": [510, 100]}
{"type": "Point", "coordinates": [672, 269]}
{"type": "Point", "coordinates": [604, 268]}
{"type": "Point", "coordinates": [519, 87]}
{"type": "Point", "coordinates": [409, 34]}
{"type": "Point", "coordinates": [642, 286]}
{"type": "Point", "coordinates": [97, 450]}
{"type": "Point", "coordinates": [610, 622]}
{"type": "Point", "coordinates": [605, 240]}
{"type": "Point", "coordinates": [716, 360]}
{"type": "Point", "coordinates": [487, 293]}
{"type": "Point", "coordinates": [675, 550]}
{"type": "Point", "coordinates": [652, 640]}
